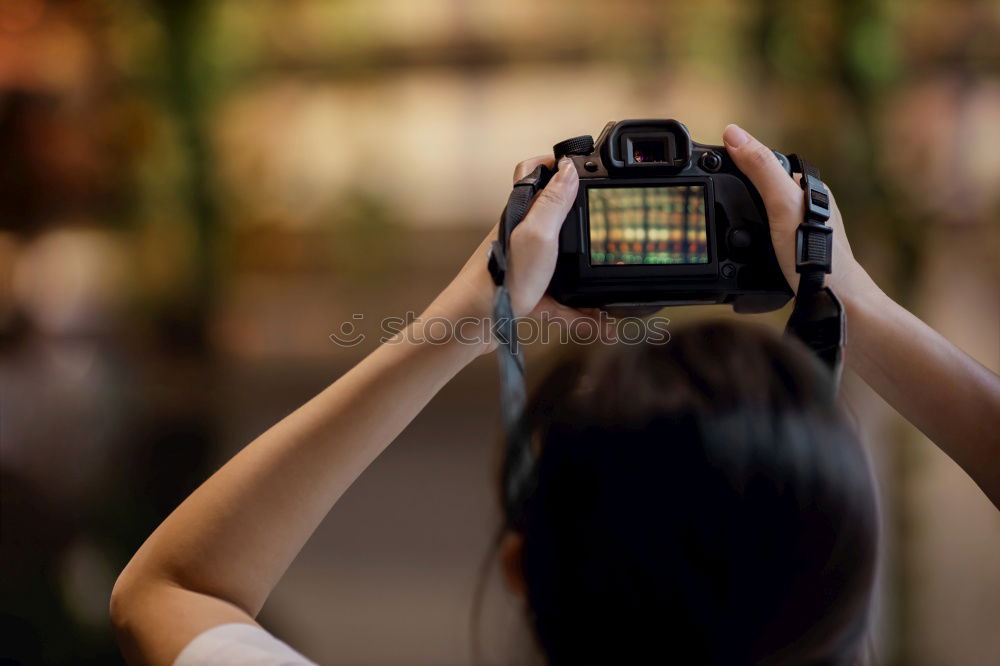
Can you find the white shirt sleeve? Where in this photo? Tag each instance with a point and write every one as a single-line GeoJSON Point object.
{"type": "Point", "coordinates": [243, 644]}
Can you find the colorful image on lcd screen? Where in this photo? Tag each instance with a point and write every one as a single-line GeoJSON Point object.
{"type": "Point", "coordinates": [648, 225]}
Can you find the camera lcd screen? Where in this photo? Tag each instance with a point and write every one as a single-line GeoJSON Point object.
{"type": "Point", "coordinates": [648, 225]}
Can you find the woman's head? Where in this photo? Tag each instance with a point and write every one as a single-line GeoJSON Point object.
{"type": "Point", "coordinates": [700, 501]}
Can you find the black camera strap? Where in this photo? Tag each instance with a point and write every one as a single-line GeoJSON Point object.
{"type": "Point", "coordinates": [817, 317]}
{"type": "Point", "coordinates": [518, 460]}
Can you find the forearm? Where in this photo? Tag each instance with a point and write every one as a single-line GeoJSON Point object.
{"type": "Point", "coordinates": [234, 537]}
{"type": "Point", "coordinates": [950, 397]}
{"type": "Point", "coordinates": [947, 395]}
{"type": "Point", "coordinates": [219, 554]}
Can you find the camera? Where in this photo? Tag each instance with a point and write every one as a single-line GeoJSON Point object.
{"type": "Point", "coordinates": [662, 220]}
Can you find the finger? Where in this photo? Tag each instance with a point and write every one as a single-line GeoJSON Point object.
{"type": "Point", "coordinates": [605, 322]}
{"type": "Point", "coordinates": [552, 204]}
{"type": "Point", "coordinates": [565, 316]}
{"type": "Point", "coordinates": [762, 168]}
{"type": "Point", "coordinates": [553, 312]}
{"type": "Point", "coordinates": [528, 165]}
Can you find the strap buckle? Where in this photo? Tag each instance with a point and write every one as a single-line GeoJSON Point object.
{"type": "Point", "coordinates": [817, 197]}
{"type": "Point", "coordinates": [813, 238]}
{"type": "Point", "coordinates": [813, 247]}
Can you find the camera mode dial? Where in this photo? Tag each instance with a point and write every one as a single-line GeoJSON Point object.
{"type": "Point", "coordinates": [578, 145]}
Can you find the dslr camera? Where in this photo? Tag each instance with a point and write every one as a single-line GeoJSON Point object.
{"type": "Point", "coordinates": [662, 220]}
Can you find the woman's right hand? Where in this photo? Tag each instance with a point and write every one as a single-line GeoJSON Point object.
{"type": "Point", "coordinates": [785, 205]}
{"type": "Point", "coordinates": [533, 253]}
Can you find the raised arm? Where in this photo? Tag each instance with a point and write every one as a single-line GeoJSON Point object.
{"type": "Point", "coordinates": [215, 559]}
{"type": "Point", "coordinates": [950, 397]}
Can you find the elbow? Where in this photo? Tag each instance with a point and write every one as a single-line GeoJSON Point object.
{"type": "Point", "coordinates": [121, 607]}
{"type": "Point", "coordinates": [128, 596]}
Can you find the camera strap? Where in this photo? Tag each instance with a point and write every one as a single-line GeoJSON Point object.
{"type": "Point", "coordinates": [817, 317]}
{"type": "Point", "coordinates": [518, 460]}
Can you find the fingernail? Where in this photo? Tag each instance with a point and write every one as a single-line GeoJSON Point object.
{"type": "Point", "coordinates": [735, 136]}
{"type": "Point", "coordinates": [566, 168]}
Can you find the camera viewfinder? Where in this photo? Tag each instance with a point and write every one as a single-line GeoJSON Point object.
{"type": "Point", "coordinates": [649, 148]}
{"type": "Point", "coordinates": [648, 151]}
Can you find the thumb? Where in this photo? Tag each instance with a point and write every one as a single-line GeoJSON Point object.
{"type": "Point", "coordinates": [535, 242]}
{"type": "Point", "coordinates": [553, 203]}
{"type": "Point", "coordinates": [760, 165]}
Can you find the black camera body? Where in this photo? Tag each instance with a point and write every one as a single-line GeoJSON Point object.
{"type": "Point", "coordinates": [662, 220]}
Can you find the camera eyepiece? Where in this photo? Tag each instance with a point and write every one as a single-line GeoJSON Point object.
{"type": "Point", "coordinates": [649, 144]}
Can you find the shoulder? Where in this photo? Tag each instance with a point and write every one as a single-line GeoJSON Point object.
{"type": "Point", "coordinates": [230, 644]}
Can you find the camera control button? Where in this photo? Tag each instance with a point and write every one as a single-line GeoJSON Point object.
{"type": "Point", "coordinates": [739, 239]}
{"type": "Point", "coordinates": [578, 145]}
{"type": "Point", "coordinates": [590, 166]}
{"type": "Point", "coordinates": [728, 270]}
{"type": "Point", "coordinates": [711, 161]}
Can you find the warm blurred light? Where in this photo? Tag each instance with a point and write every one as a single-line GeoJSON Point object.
{"type": "Point", "coordinates": [48, 50]}
{"type": "Point", "coordinates": [194, 195]}
{"type": "Point", "coordinates": [940, 148]}
{"type": "Point", "coordinates": [71, 281]}
{"type": "Point", "coordinates": [20, 15]}
{"type": "Point", "coordinates": [9, 246]}
{"type": "Point", "coordinates": [433, 147]}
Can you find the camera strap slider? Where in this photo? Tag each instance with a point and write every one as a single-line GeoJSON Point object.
{"type": "Point", "coordinates": [813, 238]}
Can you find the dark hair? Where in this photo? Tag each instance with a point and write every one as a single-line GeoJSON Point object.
{"type": "Point", "coordinates": [699, 501]}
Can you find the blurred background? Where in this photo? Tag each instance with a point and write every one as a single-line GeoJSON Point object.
{"type": "Point", "coordinates": [195, 195]}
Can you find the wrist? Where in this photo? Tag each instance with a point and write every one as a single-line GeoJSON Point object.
{"type": "Point", "coordinates": [459, 319]}
{"type": "Point", "coordinates": [852, 285]}
{"type": "Point", "coordinates": [865, 306]}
